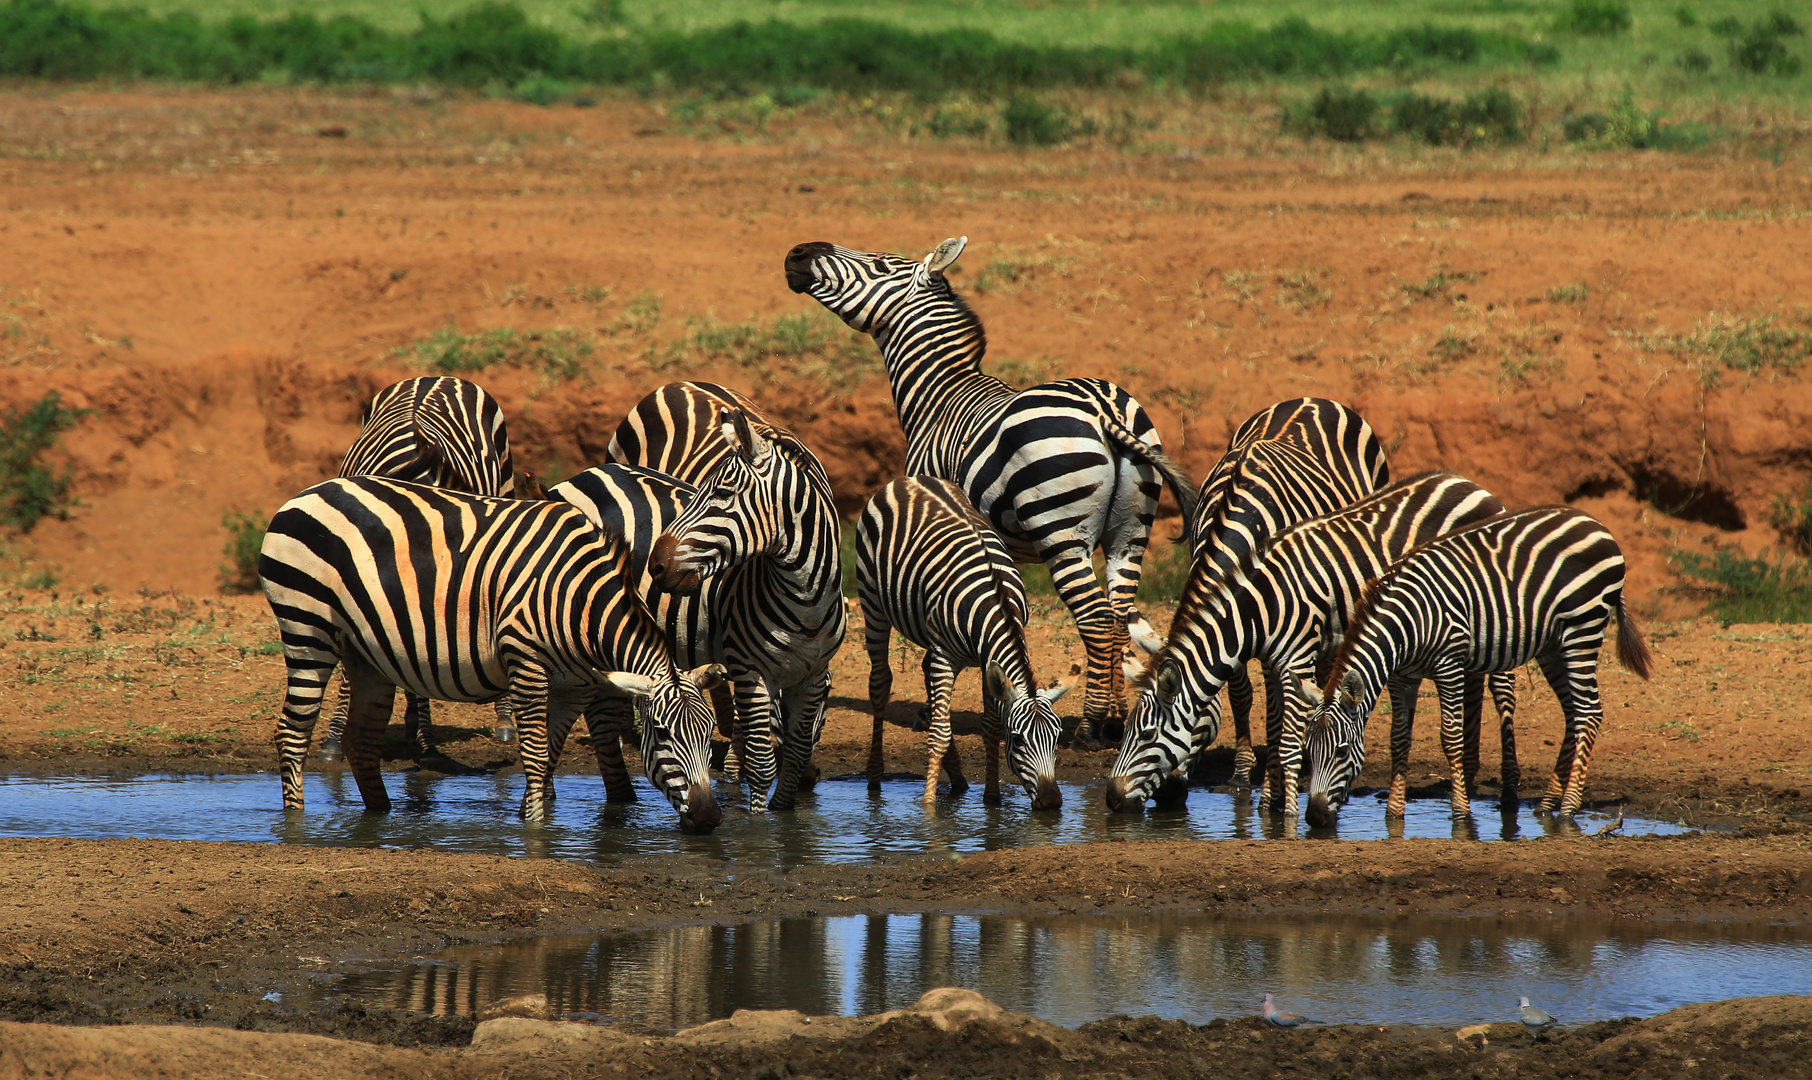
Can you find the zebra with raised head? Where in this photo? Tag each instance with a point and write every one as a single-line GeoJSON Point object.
{"type": "Point", "coordinates": [465, 598]}
{"type": "Point", "coordinates": [1059, 469]}
{"type": "Point", "coordinates": [1286, 603]}
{"type": "Point", "coordinates": [1293, 461]}
{"type": "Point", "coordinates": [764, 503]}
{"type": "Point", "coordinates": [1537, 585]}
{"type": "Point", "coordinates": [430, 430]}
{"type": "Point", "coordinates": [928, 565]}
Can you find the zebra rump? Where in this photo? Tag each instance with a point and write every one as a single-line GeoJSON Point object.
{"type": "Point", "coordinates": [465, 598]}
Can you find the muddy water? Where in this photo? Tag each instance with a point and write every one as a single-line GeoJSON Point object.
{"type": "Point", "coordinates": [1073, 968]}
{"type": "Point", "coordinates": [839, 822]}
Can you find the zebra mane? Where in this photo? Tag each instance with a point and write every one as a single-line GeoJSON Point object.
{"type": "Point", "coordinates": [968, 320]}
{"type": "Point", "coordinates": [1362, 617]}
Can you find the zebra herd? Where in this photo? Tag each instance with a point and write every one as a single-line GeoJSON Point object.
{"type": "Point", "coordinates": [693, 583]}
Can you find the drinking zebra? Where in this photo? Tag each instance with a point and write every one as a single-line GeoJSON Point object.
{"type": "Point", "coordinates": [764, 505]}
{"type": "Point", "coordinates": [1535, 585]}
{"type": "Point", "coordinates": [463, 598]}
{"type": "Point", "coordinates": [1294, 461]}
{"type": "Point", "coordinates": [1058, 469]}
{"type": "Point", "coordinates": [1286, 603]}
{"type": "Point", "coordinates": [928, 564]}
{"type": "Point", "coordinates": [431, 430]}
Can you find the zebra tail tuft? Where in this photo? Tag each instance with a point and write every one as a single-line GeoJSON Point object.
{"type": "Point", "coordinates": [1178, 480]}
{"type": "Point", "coordinates": [1632, 651]}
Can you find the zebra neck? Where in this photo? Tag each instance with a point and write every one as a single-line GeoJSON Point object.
{"type": "Point", "coordinates": [807, 571]}
{"type": "Point", "coordinates": [942, 396]}
{"type": "Point", "coordinates": [1003, 642]}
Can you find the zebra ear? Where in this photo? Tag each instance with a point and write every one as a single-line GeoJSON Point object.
{"type": "Point", "coordinates": [941, 257]}
{"type": "Point", "coordinates": [1133, 668]}
{"type": "Point", "coordinates": [738, 432]}
{"type": "Point", "coordinates": [1170, 679]}
{"type": "Point", "coordinates": [1143, 635]}
{"type": "Point", "coordinates": [999, 687]}
{"type": "Point", "coordinates": [1053, 694]}
{"type": "Point", "coordinates": [1349, 692]}
{"type": "Point", "coordinates": [627, 684]}
{"type": "Point", "coordinates": [1307, 691]}
{"type": "Point", "coordinates": [707, 676]}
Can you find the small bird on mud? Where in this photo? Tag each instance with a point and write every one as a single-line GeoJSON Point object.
{"type": "Point", "coordinates": [1276, 1017]}
{"type": "Point", "coordinates": [1536, 1020]}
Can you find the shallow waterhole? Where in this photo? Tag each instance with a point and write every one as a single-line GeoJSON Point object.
{"type": "Point", "coordinates": [840, 822]}
{"type": "Point", "coordinates": [1069, 969]}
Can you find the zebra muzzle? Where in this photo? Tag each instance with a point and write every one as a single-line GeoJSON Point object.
{"type": "Point", "coordinates": [1045, 795]}
{"type": "Point", "coordinates": [799, 276]}
{"type": "Point", "coordinates": [701, 814]}
{"type": "Point", "coordinates": [666, 566]}
{"type": "Point", "coordinates": [1120, 797]}
{"type": "Point", "coordinates": [1322, 812]}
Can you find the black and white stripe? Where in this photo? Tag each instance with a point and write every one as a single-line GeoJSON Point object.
{"type": "Point", "coordinates": [764, 505]}
{"type": "Point", "coordinates": [1535, 585]}
{"type": "Point", "coordinates": [430, 430]}
{"type": "Point", "coordinates": [1294, 461]}
{"type": "Point", "coordinates": [463, 598]}
{"type": "Point", "coordinates": [928, 565]}
{"type": "Point", "coordinates": [1285, 604]}
{"type": "Point", "coordinates": [1059, 469]}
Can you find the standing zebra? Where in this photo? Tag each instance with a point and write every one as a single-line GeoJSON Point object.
{"type": "Point", "coordinates": [1286, 603]}
{"type": "Point", "coordinates": [1058, 469]}
{"type": "Point", "coordinates": [928, 564]}
{"type": "Point", "coordinates": [1294, 461]}
{"type": "Point", "coordinates": [463, 598]}
{"type": "Point", "coordinates": [1536, 585]}
{"type": "Point", "coordinates": [431, 430]}
{"type": "Point", "coordinates": [764, 505]}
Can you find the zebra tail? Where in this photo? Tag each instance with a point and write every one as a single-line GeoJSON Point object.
{"type": "Point", "coordinates": [1632, 651]}
{"type": "Point", "coordinates": [1180, 484]}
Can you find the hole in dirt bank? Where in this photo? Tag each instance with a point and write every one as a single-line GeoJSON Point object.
{"type": "Point", "coordinates": [1688, 500]}
{"type": "Point", "coordinates": [1072, 968]}
{"type": "Point", "coordinates": [1594, 489]}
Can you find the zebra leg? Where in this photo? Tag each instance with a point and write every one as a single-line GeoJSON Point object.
{"type": "Point", "coordinates": [506, 720]}
{"type": "Point", "coordinates": [1572, 670]}
{"type": "Point", "coordinates": [1073, 573]}
{"type": "Point", "coordinates": [802, 719]}
{"type": "Point", "coordinates": [563, 710]}
{"type": "Point", "coordinates": [1239, 695]}
{"type": "Point", "coordinates": [991, 734]}
{"type": "Point", "coordinates": [1123, 545]}
{"type": "Point", "coordinates": [723, 704]}
{"type": "Point", "coordinates": [1402, 729]}
{"type": "Point", "coordinates": [418, 724]}
{"type": "Point", "coordinates": [336, 725]}
{"type": "Point", "coordinates": [308, 671]}
{"type": "Point", "coordinates": [940, 679]}
{"type": "Point", "coordinates": [1289, 727]}
{"type": "Point", "coordinates": [1503, 695]}
{"type": "Point", "coordinates": [1450, 681]}
{"type": "Point", "coordinates": [877, 635]}
{"type": "Point", "coordinates": [367, 715]}
{"type": "Point", "coordinates": [1473, 708]}
{"type": "Point", "coordinates": [607, 719]}
{"type": "Point", "coordinates": [754, 734]}
{"type": "Point", "coordinates": [528, 700]}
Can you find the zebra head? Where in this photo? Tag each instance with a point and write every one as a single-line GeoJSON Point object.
{"type": "Point", "coordinates": [870, 290]}
{"type": "Point", "coordinates": [1160, 732]}
{"type": "Point", "coordinates": [677, 719]}
{"type": "Point", "coordinates": [1334, 742]}
{"type": "Point", "coordinates": [735, 516]}
{"type": "Point", "coordinates": [1031, 727]}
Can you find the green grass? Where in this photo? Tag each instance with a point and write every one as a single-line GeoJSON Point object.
{"type": "Point", "coordinates": [30, 489]}
{"type": "Point", "coordinates": [1749, 589]}
{"type": "Point", "coordinates": [244, 543]}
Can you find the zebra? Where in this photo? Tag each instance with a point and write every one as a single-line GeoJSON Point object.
{"type": "Point", "coordinates": [1286, 603]}
{"type": "Point", "coordinates": [1537, 585]}
{"type": "Point", "coordinates": [429, 430]}
{"type": "Point", "coordinates": [463, 598]}
{"type": "Point", "coordinates": [1296, 460]}
{"type": "Point", "coordinates": [764, 503]}
{"type": "Point", "coordinates": [928, 564]}
{"type": "Point", "coordinates": [1058, 469]}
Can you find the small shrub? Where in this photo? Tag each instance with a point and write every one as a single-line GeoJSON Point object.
{"type": "Point", "coordinates": [1760, 50]}
{"type": "Point", "coordinates": [1695, 61]}
{"type": "Point", "coordinates": [30, 490]}
{"type": "Point", "coordinates": [1573, 292]}
{"type": "Point", "coordinates": [1343, 114]}
{"type": "Point", "coordinates": [1452, 345]}
{"type": "Point", "coordinates": [1752, 590]}
{"type": "Point", "coordinates": [1597, 17]}
{"type": "Point", "coordinates": [245, 539]}
{"type": "Point", "coordinates": [960, 118]}
{"type": "Point", "coordinates": [1430, 119]}
{"type": "Point", "coordinates": [1491, 115]}
{"type": "Point", "coordinates": [1686, 17]}
{"type": "Point", "coordinates": [1585, 127]}
{"type": "Point", "coordinates": [1791, 520]}
{"type": "Point", "coordinates": [1030, 122]}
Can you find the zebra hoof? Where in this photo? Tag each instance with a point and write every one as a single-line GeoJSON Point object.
{"type": "Point", "coordinates": [506, 734]}
{"type": "Point", "coordinates": [329, 750]}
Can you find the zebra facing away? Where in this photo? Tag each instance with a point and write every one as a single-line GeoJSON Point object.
{"type": "Point", "coordinates": [463, 598]}
{"type": "Point", "coordinates": [1058, 469]}
{"type": "Point", "coordinates": [766, 506]}
{"type": "Point", "coordinates": [1535, 585]}
{"type": "Point", "coordinates": [1286, 603]}
{"type": "Point", "coordinates": [929, 565]}
{"type": "Point", "coordinates": [430, 430]}
{"type": "Point", "coordinates": [1293, 461]}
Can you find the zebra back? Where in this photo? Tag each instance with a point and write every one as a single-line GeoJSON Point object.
{"type": "Point", "coordinates": [434, 430]}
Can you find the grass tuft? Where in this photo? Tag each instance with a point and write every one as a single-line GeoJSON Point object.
{"type": "Point", "coordinates": [29, 489]}
{"type": "Point", "coordinates": [244, 542]}
{"type": "Point", "coordinates": [1751, 589]}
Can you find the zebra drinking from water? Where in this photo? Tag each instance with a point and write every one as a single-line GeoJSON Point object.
{"type": "Point", "coordinates": [430, 430]}
{"type": "Point", "coordinates": [1296, 460]}
{"type": "Point", "coordinates": [928, 564]}
{"type": "Point", "coordinates": [1058, 469]}
{"type": "Point", "coordinates": [463, 598]}
{"type": "Point", "coordinates": [764, 510]}
{"type": "Point", "coordinates": [1535, 585]}
{"type": "Point", "coordinates": [1286, 603]}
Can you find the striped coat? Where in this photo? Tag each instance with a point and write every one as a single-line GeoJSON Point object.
{"type": "Point", "coordinates": [463, 598]}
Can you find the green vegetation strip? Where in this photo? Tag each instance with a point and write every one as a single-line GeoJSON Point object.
{"type": "Point", "coordinates": [496, 43]}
